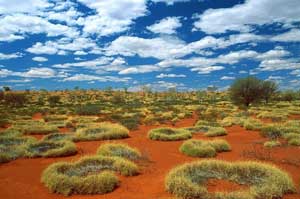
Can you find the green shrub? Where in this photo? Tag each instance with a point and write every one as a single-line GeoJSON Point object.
{"type": "Point", "coordinates": [119, 150]}
{"type": "Point", "coordinates": [102, 131]}
{"type": "Point", "coordinates": [59, 137]}
{"type": "Point", "coordinates": [252, 124]}
{"type": "Point", "coordinates": [51, 149]}
{"type": "Point", "coordinates": [271, 144]}
{"type": "Point", "coordinates": [88, 109]}
{"type": "Point", "coordinates": [197, 129]}
{"type": "Point", "coordinates": [55, 118]}
{"type": "Point", "coordinates": [274, 116]}
{"type": "Point", "coordinates": [215, 131]}
{"type": "Point", "coordinates": [294, 142]}
{"type": "Point", "coordinates": [271, 131]}
{"type": "Point", "coordinates": [169, 134]}
{"type": "Point", "coordinates": [265, 181]}
{"type": "Point", "coordinates": [89, 175]}
{"type": "Point", "coordinates": [207, 123]}
{"type": "Point", "coordinates": [201, 148]}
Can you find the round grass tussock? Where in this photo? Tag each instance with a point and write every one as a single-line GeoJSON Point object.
{"type": "Point", "coordinates": [119, 150]}
{"type": "Point", "coordinates": [51, 149]}
{"type": "Point", "coordinates": [89, 175]}
{"type": "Point", "coordinates": [169, 134]}
{"type": "Point", "coordinates": [102, 131]}
{"type": "Point", "coordinates": [203, 148]}
{"type": "Point", "coordinates": [215, 131]}
{"type": "Point", "coordinates": [59, 137]}
{"type": "Point", "coordinates": [197, 129]}
{"type": "Point", "coordinates": [272, 143]}
{"type": "Point", "coordinates": [294, 142]}
{"type": "Point", "coordinates": [264, 181]}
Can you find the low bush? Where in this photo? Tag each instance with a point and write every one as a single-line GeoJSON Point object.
{"type": "Point", "coordinates": [252, 124]}
{"type": "Point", "coordinates": [59, 137]}
{"type": "Point", "coordinates": [197, 129]}
{"type": "Point", "coordinates": [202, 148]}
{"type": "Point", "coordinates": [50, 149]}
{"type": "Point", "coordinates": [88, 109]}
{"type": "Point", "coordinates": [265, 181]}
{"type": "Point", "coordinates": [271, 131]}
{"type": "Point", "coordinates": [294, 142]}
{"type": "Point", "coordinates": [207, 123]}
{"type": "Point", "coordinates": [119, 150]}
{"type": "Point", "coordinates": [274, 116]}
{"type": "Point", "coordinates": [12, 148]}
{"type": "Point", "coordinates": [101, 131]}
{"type": "Point", "coordinates": [229, 121]}
{"type": "Point", "coordinates": [169, 134]}
{"type": "Point", "coordinates": [215, 131]}
{"type": "Point", "coordinates": [272, 143]}
{"type": "Point", "coordinates": [55, 118]}
{"type": "Point", "coordinates": [89, 175]}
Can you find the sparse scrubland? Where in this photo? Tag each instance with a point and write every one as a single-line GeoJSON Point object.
{"type": "Point", "coordinates": [42, 124]}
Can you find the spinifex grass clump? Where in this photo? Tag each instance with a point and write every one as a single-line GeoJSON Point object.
{"type": "Point", "coordinates": [59, 137]}
{"type": "Point", "coordinates": [35, 127]}
{"type": "Point", "coordinates": [272, 143]}
{"type": "Point", "coordinates": [51, 149]}
{"type": "Point", "coordinates": [203, 148]}
{"type": "Point", "coordinates": [12, 148]}
{"type": "Point", "coordinates": [169, 134]}
{"type": "Point", "coordinates": [49, 118]}
{"type": "Point", "coordinates": [275, 116]}
{"type": "Point", "coordinates": [252, 124]}
{"type": "Point", "coordinates": [215, 131]}
{"type": "Point", "coordinates": [197, 129]}
{"type": "Point", "coordinates": [119, 150]}
{"type": "Point", "coordinates": [89, 175]}
{"type": "Point", "coordinates": [102, 131]}
{"type": "Point", "coordinates": [265, 181]}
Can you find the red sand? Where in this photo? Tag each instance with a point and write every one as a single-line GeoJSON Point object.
{"type": "Point", "coordinates": [21, 178]}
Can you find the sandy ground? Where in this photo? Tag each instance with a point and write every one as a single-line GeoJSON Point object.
{"type": "Point", "coordinates": [21, 178]}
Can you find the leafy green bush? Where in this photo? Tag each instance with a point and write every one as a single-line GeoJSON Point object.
{"type": "Point", "coordinates": [201, 148]}
{"type": "Point", "coordinates": [169, 134]}
{"type": "Point", "coordinates": [265, 181]}
{"type": "Point", "coordinates": [119, 150]}
{"type": "Point", "coordinates": [89, 175]}
{"type": "Point", "coordinates": [101, 131]}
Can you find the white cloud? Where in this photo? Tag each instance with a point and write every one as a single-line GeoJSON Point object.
{"type": "Point", "coordinates": [90, 64]}
{"type": "Point", "coordinates": [166, 26]}
{"type": "Point", "coordinates": [290, 36]}
{"type": "Point", "coordinates": [10, 56]}
{"type": "Point", "coordinates": [17, 25]}
{"type": "Point", "coordinates": [296, 72]}
{"type": "Point", "coordinates": [63, 45]}
{"type": "Point", "coordinates": [24, 6]}
{"type": "Point", "coordinates": [162, 75]}
{"type": "Point", "coordinates": [5, 72]}
{"type": "Point", "coordinates": [40, 59]}
{"type": "Point", "coordinates": [140, 69]}
{"type": "Point", "coordinates": [85, 77]}
{"type": "Point", "coordinates": [38, 73]}
{"type": "Point", "coordinates": [112, 16]}
{"type": "Point", "coordinates": [170, 2]}
{"type": "Point", "coordinates": [160, 48]}
{"type": "Point", "coordinates": [227, 78]}
{"type": "Point", "coordinates": [278, 64]}
{"type": "Point", "coordinates": [252, 12]}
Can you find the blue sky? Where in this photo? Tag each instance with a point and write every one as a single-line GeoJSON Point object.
{"type": "Point", "coordinates": [187, 44]}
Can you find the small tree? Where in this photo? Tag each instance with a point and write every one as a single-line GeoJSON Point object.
{"type": "Point", "coordinates": [269, 89]}
{"type": "Point", "coordinates": [245, 91]}
{"type": "Point", "coordinates": [6, 88]}
{"type": "Point", "coordinates": [53, 100]}
{"type": "Point", "coordinates": [15, 99]}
